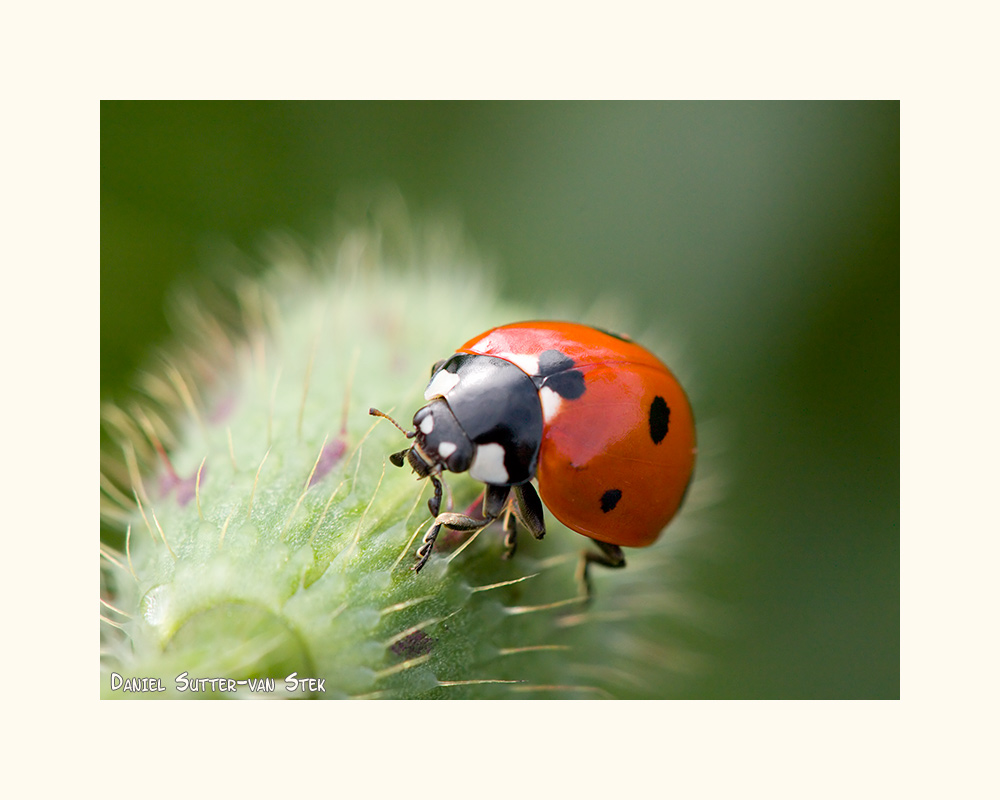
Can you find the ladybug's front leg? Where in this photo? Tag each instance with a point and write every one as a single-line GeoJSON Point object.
{"type": "Point", "coordinates": [493, 503]}
{"type": "Point", "coordinates": [611, 555]}
{"type": "Point", "coordinates": [434, 504]}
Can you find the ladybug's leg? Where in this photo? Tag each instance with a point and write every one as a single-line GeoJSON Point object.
{"type": "Point", "coordinates": [494, 501]}
{"type": "Point", "coordinates": [493, 504]}
{"type": "Point", "coordinates": [528, 508]}
{"type": "Point", "coordinates": [510, 540]}
{"type": "Point", "coordinates": [610, 556]}
{"type": "Point", "coordinates": [424, 551]}
{"type": "Point", "coordinates": [434, 504]}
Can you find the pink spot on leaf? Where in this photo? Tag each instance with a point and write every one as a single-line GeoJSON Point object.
{"type": "Point", "coordinates": [332, 453]}
{"type": "Point", "coordinates": [185, 487]}
{"type": "Point", "coordinates": [415, 644]}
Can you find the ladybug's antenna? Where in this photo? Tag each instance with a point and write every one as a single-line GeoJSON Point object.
{"type": "Point", "coordinates": [376, 413]}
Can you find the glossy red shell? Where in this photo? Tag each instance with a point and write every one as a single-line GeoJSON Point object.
{"type": "Point", "coordinates": [612, 446]}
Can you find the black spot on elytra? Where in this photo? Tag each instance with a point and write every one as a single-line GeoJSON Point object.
{"type": "Point", "coordinates": [659, 419]}
{"type": "Point", "coordinates": [552, 361]}
{"type": "Point", "coordinates": [567, 384]}
{"type": "Point", "coordinates": [610, 499]}
{"type": "Point", "coordinates": [555, 370]}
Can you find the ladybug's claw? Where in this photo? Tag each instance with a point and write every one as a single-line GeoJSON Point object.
{"type": "Point", "coordinates": [493, 504]}
{"type": "Point", "coordinates": [610, 556]}
{"type": "Point", "coordinates": [424, 551]}
{"type": "Point", "coordinates": [456, 522]}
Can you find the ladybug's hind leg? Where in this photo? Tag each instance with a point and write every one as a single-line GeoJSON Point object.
{"type": "Point", "coordinates": [610, 555]}
{"type": "Point", "coordinates": [493, 503]}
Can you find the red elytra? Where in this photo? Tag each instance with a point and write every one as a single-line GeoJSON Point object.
{"type": "Point", "coordinates": [615, 461]}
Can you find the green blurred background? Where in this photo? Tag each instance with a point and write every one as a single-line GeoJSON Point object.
{"type": "Point", "coordinates": [762, 238]}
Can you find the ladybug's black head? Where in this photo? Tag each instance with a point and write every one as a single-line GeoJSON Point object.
{"type": "Point", "coordinates": [440, 443]}
{"type": "Point", "coordinates": [440, 438]}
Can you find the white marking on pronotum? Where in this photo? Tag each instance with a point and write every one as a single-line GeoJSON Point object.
{"type": "Point", "coordinates": [445, 449]}
{"type": "Point", "coordinates": [427, 424]}
{"type": "Point", "coordinates": [488, 466]}
{"type": "Point", "coordinates": [526, 361]}
{"type": "Point", "coordinates": [442, 383]}
{"type": "Point", "coordinates": [551, 403]}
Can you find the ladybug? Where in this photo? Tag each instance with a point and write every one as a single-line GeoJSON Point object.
{"type": "Point", "coordinates": [597, 420]}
